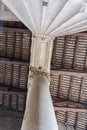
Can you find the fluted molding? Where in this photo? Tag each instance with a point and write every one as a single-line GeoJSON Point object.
{"type": "Point", "coordinates": [55, 18]}
{"type": "Point", "coordinates": [46, 19]}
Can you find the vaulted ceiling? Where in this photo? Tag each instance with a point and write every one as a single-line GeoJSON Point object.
{"type": "Point", "coordinates": [68, 72]}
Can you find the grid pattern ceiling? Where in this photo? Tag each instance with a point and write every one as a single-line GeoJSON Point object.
{"type": "Point", "coordinates": [69, 53]}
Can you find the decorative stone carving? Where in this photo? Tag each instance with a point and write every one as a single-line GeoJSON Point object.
{"type": "Point", "coordinates": [38, 72]}
{"type": "Point", "coordinates": [39, 113]}
{"type": "Point", "coordinates": [41, 52]}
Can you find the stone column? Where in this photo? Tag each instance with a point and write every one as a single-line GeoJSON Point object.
{"type": "Point", "coordinates": [39, 113]}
